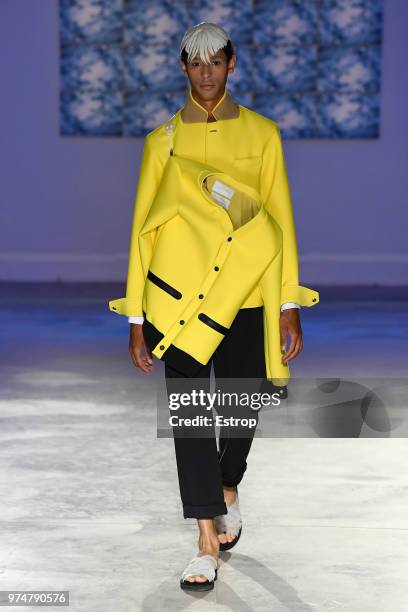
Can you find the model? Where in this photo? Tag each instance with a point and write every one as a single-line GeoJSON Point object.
{"type": "Point", "coordinates": [213, 275]}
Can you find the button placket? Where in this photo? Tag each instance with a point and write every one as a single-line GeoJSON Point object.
{"type": "Point", "coordinates": [194, 304]}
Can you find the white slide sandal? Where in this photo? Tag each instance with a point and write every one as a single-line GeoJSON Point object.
{"type": "Point", "coordinates": [229, 523]}
{"type": "Point", "coordinates": [207, 565]}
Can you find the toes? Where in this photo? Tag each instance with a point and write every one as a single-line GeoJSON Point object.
{"type": "Point", "coordinates": [199, 578]}
{"type": "Point", "coordinates": [226, 537]}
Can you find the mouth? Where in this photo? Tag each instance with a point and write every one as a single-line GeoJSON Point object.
{"type": "Point", "coordinates": [207, 86]}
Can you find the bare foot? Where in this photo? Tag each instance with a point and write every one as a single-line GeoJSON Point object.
{"type": "Point", "coordinates": [207, 546]}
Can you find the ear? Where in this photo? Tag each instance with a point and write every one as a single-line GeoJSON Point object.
{"type": "Point", "coordinates": [183, 67]}
{"type": "Point", "coordinates": [232, 64]}
{"type": "Point", "coordinates": [231, 69]}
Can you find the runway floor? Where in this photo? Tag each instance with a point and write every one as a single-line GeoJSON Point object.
{"type": "Point", "coordinates": [89, 494]}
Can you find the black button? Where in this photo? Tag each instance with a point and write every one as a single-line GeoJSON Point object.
{"type": "Point", "coordinates": [113, 307]}
{"type": "Point", "coordinates": [161, 347]}
{"type": "Point", "coordinates": [201, 296]}
{"type": "Point", "coordinates": [216, 268]}
{"type": "Point", "coordinates": [229, 238]}
{"type": "Point", "coordinates": [314, 299]}
{"type": "Point", "coordinates": [182, 322]}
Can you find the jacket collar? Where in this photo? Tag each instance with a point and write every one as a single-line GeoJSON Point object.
{"type": "Point", "coordinates": [226, 108]}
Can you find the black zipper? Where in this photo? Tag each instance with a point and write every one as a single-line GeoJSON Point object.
{"type": "Point", "coordinates": [163, 285]}
{"type": "Point", "coordinates": [211, 323]}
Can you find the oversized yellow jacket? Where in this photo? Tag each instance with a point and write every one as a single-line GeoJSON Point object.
{"type": "Point", "coordinates": [253, 166]}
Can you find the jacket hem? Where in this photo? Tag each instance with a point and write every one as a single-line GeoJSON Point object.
{"type": "Point", "coordinates": [173, 356]}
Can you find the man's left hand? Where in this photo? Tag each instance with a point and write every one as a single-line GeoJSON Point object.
{"type": "Point", "coordinates": [290, 326]}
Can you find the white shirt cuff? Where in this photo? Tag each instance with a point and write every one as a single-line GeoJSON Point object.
{"type": "Point", "coordinates": [289, 305]}
{"type": "Point", "coordinates": [138, 320]}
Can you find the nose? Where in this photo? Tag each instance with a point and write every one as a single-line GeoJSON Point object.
{"type": "Point", "coordinates": [206, 69]}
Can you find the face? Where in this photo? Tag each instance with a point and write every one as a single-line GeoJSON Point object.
{"type": "Point", "coordinates": [208, 81]}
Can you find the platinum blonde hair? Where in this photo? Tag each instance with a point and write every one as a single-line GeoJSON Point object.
{"type": "Point", "coordinates": [204, 38]}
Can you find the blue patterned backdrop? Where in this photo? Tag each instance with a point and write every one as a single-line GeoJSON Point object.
{"type": "Point", "coordinates": [314, 66]}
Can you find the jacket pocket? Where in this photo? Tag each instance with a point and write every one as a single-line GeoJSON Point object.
{"type": "Point", "coordinates": [248, 167]}
{"type": "Point", "coordinates": [248, 161]}
{"type": "Point", "coordinates": [163, 285]}
{"type": "Point", "coordinates": [211, 323]}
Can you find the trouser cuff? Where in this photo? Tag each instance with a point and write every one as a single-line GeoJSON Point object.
{"type": "Point", "coordinates": [231, 483]}
{"type": "Point", "coordinates": [205, 511]}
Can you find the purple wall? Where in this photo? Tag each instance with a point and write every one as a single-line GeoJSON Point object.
{"type": "Point", "coordinates": [67, 203]}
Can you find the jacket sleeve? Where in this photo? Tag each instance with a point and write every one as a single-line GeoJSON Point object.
{"type": "Point", "coordinates": [275, 192]}
{"type": "Point", "coordinates": [151, 169]}
{"type": "Point", "coordinates": [276, 371]}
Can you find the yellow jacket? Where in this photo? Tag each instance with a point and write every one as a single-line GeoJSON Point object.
{"type": "Point", "coordinates": [162, 241]}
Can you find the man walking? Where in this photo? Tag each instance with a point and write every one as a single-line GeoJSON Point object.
{"type": "Point", "coordinates": [212, 128]}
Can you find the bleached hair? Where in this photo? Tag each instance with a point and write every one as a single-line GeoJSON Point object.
{"type": "Point", "coordinates": [205, 39]}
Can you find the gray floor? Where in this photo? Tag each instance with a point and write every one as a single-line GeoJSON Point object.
{"type": "Point", "coordinates": [89, 495]}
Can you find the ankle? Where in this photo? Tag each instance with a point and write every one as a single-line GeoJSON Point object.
{"type": "Point", "coordinates": [230, 495]}
{"type": "Point", "coordinates": [228, 488]}
{"type": "Point", "coordinates": [209, 544]}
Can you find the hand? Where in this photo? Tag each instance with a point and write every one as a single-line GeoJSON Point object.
{"type": "Point", "coordinates": [136, 344]}
{"type": "Point", "coordinates": [290, 325]}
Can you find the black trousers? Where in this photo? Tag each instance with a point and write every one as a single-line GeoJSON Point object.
{"type": "Point", "coordinates": [202, 469]}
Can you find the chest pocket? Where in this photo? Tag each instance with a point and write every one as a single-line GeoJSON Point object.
{"type": "Point", "coordinates": [254, 160]}
{"type": "Point", "coordinates": [248, 167]}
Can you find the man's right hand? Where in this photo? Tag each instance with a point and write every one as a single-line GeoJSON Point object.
{"type": "Point", "coordinates": [136, 344]}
